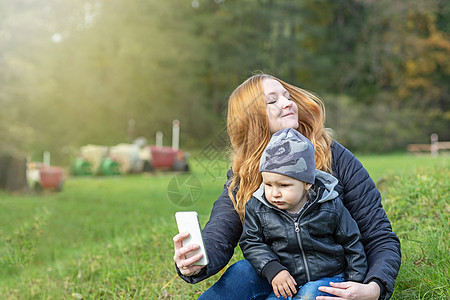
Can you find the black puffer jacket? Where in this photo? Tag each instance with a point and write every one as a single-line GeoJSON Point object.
{"type": "Point", "coordinates": [322, 242]}
{"type": "Point", "coordinates": [360, 196]}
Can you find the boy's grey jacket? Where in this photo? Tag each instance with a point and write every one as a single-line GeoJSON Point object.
{"type": "Point", "coordinates": [322, 242]}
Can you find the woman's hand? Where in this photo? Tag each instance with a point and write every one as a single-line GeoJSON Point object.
{"type": "Point", "coordinates": [186, 264]}
{"type": "Point", "coordinates": [351, 290]}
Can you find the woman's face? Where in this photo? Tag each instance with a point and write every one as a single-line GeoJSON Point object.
{"type": "Point", "coordinates": [282, 112]}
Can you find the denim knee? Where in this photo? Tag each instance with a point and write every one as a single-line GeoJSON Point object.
{"type": "Point", "coordinates": [243, 267]}
{"type": "Point", "coordinates": [240, 281]}
{"type": "Point", "coordinates": [243, 273]}
{"type": "Point", "coordinates": [311, 289]}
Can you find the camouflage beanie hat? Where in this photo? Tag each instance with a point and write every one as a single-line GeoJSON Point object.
{"type": "Point", "coordinates": [289, 153]}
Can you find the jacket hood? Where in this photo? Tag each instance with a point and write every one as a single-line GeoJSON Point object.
{"type": "Point", "coordinates": [329, 183]}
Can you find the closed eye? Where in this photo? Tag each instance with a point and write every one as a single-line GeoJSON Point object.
{"type": "Point", "coordinates": [272, 101]}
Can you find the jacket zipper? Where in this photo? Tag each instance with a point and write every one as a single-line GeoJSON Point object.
{"type": "Point", "coordinates": [299, 240]}
{"type": "Point", "coordinates": [297, 231]}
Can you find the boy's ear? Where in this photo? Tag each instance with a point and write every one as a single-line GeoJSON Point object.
{"type": "Point", "coordinates": [308, 186]}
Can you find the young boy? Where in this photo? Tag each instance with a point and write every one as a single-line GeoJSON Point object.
{"type": "Point", "coordinates": [297, 231]}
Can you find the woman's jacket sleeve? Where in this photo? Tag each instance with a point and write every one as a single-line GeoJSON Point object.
{"type": "Point", "coordinates": [348, 235]}
{"type": "Point", "coordinates": [363, 201]}
{"type": "Point", "coordinates": [220, 235]}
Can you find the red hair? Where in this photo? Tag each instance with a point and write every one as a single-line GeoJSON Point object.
{"type": "Point", "coordinates": [248, 129]}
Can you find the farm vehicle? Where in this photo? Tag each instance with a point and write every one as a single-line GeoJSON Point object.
{"type": "Point", "coordinates": [127, 159]}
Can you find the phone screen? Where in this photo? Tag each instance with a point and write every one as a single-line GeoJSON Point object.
{"type": "Point", "coordinates": [187, 221]}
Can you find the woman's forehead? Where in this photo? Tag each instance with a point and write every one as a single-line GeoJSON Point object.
{"type": "Point", "coordinates": [270, 85]}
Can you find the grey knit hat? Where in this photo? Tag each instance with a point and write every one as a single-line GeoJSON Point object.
{"type": "Point", "coordinates": [289, 153]}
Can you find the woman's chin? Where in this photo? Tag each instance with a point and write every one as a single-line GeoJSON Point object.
{"type": "Point", "coordinates": [293, 125]}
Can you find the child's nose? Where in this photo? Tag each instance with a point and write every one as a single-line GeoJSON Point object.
{"type": "Point", "coordinates": [276, 192]}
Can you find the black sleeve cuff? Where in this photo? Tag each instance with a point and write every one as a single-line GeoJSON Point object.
{"type": "Point", "coordinates": [382, 287]}
{"type": "Point", "coordinates": [194, 278]}
{"type": "Point", "coordinates": [272, 269]}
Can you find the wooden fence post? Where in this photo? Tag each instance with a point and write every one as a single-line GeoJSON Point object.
{"type": "Point", "coordinates": [434, 144]}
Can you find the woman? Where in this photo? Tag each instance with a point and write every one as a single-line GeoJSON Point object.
{"type": "Point", "coordinates": [259, 107]}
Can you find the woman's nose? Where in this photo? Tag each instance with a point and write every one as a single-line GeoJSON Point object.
{"type": "Point", "coordinates": [285, 102]}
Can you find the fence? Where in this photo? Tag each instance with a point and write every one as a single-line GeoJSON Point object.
{"type": "Point", "coordinates": [434, 148]}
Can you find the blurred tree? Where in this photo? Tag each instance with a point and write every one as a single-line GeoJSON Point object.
{"type": "Point", "coordinates": [392, 57]}
{"type": "Point", "coordinates": [78, 72]}
{"type": "Point", "coordinates": [244, 37]}
{"type": "Point", "coordinates": [406, 57]}
{"type": "Point", "coordinates": [22, 38]}
{"type": "Point", "coordinates": [115, 62]}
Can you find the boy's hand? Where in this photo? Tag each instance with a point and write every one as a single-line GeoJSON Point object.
{"type": "Point", "coordinates": [284, 284]}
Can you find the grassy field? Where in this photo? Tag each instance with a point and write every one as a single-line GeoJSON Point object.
{"type": "Point", "coordinates": [111, 237]}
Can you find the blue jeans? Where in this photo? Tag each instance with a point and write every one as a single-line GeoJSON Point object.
{"type": "Point", "coordinates": [310, 291]}
{"type": "Point", "coordinates": [240, 281]}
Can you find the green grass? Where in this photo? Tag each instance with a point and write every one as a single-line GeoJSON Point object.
{"type": "Point", "coordinates": [418, 206]}
{"type": "Point", "coordinates": [111, 237]}
{"type": "Point", "coordinates": [382, 166]}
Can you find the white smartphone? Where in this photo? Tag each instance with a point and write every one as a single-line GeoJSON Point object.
{"type": "Point", "coordinates": [187, 221]}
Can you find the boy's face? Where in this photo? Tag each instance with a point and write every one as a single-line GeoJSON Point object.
{"type": "Point", "coordinates": [285, 192]}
